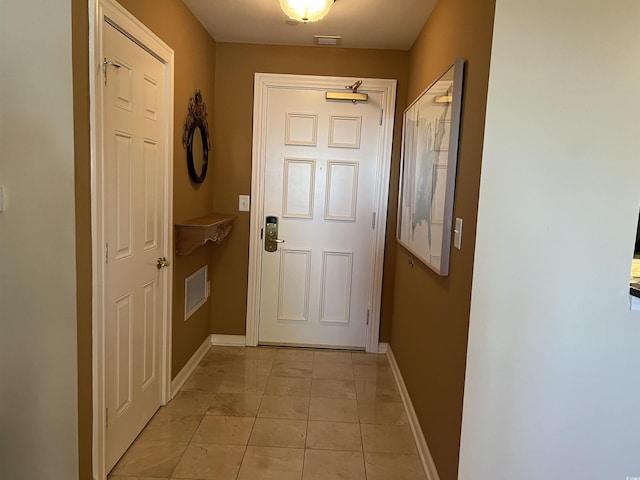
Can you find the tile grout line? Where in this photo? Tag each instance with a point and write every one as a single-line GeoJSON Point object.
{"type": "Point", "coordinates": [364, 463]}
{"type": "Point", "coordinates": [196, 429]}
{"type": "Point", "coordinates": [253, 425]}
{"type": "Point", "coordinates": [308, 420]}
{"type": "Point", "coordinates": [306, 435]}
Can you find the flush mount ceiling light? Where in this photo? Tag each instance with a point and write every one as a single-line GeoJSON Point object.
{"type": "Point", "coordinates": [306, 10]}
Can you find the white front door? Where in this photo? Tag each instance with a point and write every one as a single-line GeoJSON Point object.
{"type": "Point", "coordinates": [321, 178]}
{"type": "Point", "coordinates": [134, 230]}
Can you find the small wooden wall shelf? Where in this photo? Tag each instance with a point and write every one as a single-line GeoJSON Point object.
{"type": "Point", "coordinates": [198, 231]}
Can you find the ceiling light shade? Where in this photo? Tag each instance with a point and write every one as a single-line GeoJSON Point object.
{"type": "Point", "coordinates": [306, 10]}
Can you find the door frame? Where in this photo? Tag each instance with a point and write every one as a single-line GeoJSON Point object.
{"type": "Point", "coordinates": [121, 19]}
{"type": "Point", "coordinates": [265, 82]}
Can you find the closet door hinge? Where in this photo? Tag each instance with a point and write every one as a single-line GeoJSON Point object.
{"type": "Point", "coordinates": [106, 253]}
{"type": "Point", "coordinates": [381, 115]}
{"type": "Point", "coordinates": [108, 63]}
{"type": "Point", "coordinates": [367, 316]}
{"type": "Point", "coordinates": [373, 220]}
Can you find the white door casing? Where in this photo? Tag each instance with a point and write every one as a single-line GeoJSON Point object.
{"type": "Point", "coordinates": [321, 167]}
{"type": "Point", "coordinates": [132, 132]}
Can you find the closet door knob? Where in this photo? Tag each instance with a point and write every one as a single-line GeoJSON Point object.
{"type": "Point", "coordinates": [162, 262]}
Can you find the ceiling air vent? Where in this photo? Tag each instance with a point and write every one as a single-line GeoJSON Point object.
{"type": "Point", "coordinates": [332, 40]}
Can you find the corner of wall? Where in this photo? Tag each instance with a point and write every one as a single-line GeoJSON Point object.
{"type": "Point", "coordinates": [430, 313]}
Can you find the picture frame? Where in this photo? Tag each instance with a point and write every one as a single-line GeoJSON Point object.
{"type": "Point", "coordinates": [430, 134]}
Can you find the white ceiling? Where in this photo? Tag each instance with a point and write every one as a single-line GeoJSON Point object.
{"type": "Point", "coordinates": [388, 24]}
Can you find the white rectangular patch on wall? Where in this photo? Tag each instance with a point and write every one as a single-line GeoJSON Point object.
{"type": "Point", "coordinates": [195, 291]}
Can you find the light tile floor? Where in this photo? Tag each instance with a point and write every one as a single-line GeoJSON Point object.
{"type": "Point", "coordinates": [279, 414]}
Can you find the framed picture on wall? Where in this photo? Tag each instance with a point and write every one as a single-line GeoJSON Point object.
{"type": "Point", "coordinates": [430, 132]}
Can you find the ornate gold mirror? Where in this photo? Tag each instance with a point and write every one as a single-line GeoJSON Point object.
{"type": "Point", "coordinates": [195, 138]}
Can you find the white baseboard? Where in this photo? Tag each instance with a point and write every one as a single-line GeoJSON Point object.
{"type": "Point", "coordinates": [421, 443]}
{"type": "Point", "coordinates": [383, 347]}
{"type": "Point", "coordinates": [231, 340]}
{"type": "Point", "coordinates": [190, 366]}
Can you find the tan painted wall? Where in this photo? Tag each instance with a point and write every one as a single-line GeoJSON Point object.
{"type": "Point", "coordinates": [195, 54]}
{"type": "Point", "coordinates": [81, 134]}
{"type": "Point", "coordinates": [231, 167]}
{"type": "Point", "coordinates": [431, 313]}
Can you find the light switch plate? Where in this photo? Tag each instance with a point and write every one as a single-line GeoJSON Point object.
{"type": "Point", "coordinates": [457, 234]}
{"type": "Point", "coordinates": [243, 203]}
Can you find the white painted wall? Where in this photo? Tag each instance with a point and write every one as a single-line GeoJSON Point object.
{"type": "Point", "coordinates": [553, 371]}
{"type": "Point", "coordinates": [38, 406]}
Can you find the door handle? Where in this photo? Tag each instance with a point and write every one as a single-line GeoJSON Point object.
{"type": "Point", "coordinates": [162, 262]}
{"type": "Point", "coordinates": [271, 240]}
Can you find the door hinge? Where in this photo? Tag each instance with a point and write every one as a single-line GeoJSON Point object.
{"type": "Point", "coordinates": [261, 233]}
{"type": "Point", "coordinates": [106, 417]}
{"type": "Point", "coordinates": [367, 316]}
{"type": "Point", "coordinates": [373, 220]}
{"type": "Point", "coordinates": [107, 63]}
{"type": "Point", "coordinates": [106, 253]}
{"type": "Point", "coordinates": [381, 115]}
